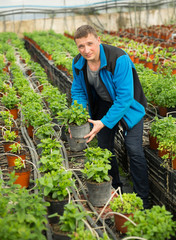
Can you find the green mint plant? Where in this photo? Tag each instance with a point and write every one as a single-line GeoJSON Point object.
{"type": "Point", "coordinates": [97, 164]}
{"type": "Point", "coordinates": [48, 145]}
{"type": "Point", "coordinates": [45, 131]}
{"type": "Point", "coordinates": [154, 223]}
{"type": "Point", "coordinates": [160, 128]}
{"type": "Point", "coordinates": [9, 135]}
{"type": "Point", "coordinates": [72, 218]}
{"type": "Point", "coordinates": [19, 164]}
{"type": "Point", "coordinates": [51, 161]}
{"type": "Point", "coordinates": [15, 148]}
{"type": "Point", "coordinates": [76, 114]}
{"type": "Point", "coordinates": [24, 218]}
{"type": "Point", "coordinates": [129, 203]}
{"type": "Point", "coordinates": [97, 170]}
{"type": "Point", "coordinates": [56, 183]}
{"type": "Point", "coordinates": [93, 153]}
{"type": "Point", "coordinates": [7, 118]}
{"type": "Point", "coordinates": [85, 234]}
{"type": "Point", "coordinates": [10, 100]}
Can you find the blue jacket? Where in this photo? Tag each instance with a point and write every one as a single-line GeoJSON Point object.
{"type": "Point", "coordinates": [119, 76]}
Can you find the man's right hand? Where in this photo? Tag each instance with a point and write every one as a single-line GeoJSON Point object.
{"type": "Point", "coordinates": [97, 126]}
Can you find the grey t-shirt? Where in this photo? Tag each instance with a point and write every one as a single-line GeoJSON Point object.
{"type": "Point", "coordinates": [94, 80]}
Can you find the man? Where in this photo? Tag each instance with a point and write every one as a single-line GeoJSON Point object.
{"type": "Point", "coordinates": [105, 79]}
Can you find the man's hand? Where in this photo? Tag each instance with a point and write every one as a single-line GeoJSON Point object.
{"type": "Point", "coordinates": [69, 132]}
{"type": "Point", "coordinates": [97, 126]}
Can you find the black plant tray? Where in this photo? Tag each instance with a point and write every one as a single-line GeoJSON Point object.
{"type": "Point", "coordinates": [156, 171]}
{"type": "Point", "coordinates": [121, 153]}
{"type": "Point", "coordinates": [172, 184]}
{"type": "Point", "coordinates": [161, 197]}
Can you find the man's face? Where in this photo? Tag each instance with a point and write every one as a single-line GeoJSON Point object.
{"type": "Point", "coordinates": [89, 47]}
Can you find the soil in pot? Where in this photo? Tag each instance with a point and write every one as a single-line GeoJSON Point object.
{"type": "Point", "coordinates": [99, 193]}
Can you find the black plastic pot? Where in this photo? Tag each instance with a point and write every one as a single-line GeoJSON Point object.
{"type": "Point", "coordinates": [75, 144]}
{"type": "Point", "coordinates": [99, 193]}
{"type": "Point", "coordinates": [56, 206]}
{"type": "Point", "coordinates": [80, 131]}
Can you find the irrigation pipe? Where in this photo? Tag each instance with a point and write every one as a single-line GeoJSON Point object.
{"type": "Point", "coordinates": [107, 203]}
{"type": "Point", "coordinates": [92, 230]}
{"type": "Point", "coordinates": [120, 214]}
{"type": "Point", "coordinates": [33, 153]}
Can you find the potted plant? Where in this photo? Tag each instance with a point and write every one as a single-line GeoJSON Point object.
{"type": "Point", "coordinates": [48, 145]}
{"type": "Point", "coordinates": [10, 137]}
{"type": "Point", "coordinates": [30, 112]}
{"type": "Point", "coordinates": [165, 97]}
{"type": "Point", "coordinates": [7, 119]}
{"type": "Point", "coordinates": [149, 63]}
{"type": "Point", "coordinates": [159, 129]}
{"type": "Point", "coordinates": [15, 152]}
{"type": "Point", "coordinates": [154, 131]}
{"type": "Point", "coordinates": [22, 212]}
{"type": "Point", "coordinates": [76, 117]}
{"type": "Point", "coordinates": [96, 171]}
{"type": "Point", "coordinates": [154, 223]}
{"type": "Point", "coordinates": [52, 161]}
{"type": "Point", "coordinates": [125, 204]}
{"type": "Point", "coordinates": [44, 131]}
{"type": "Point", "coordinates": [167, 149]}
{"type": "Point", "coordinates": [10, 101]}
{"type": "Point", "coordinates": [23, 171]}
{"type": "Point", "coordinates": [56, 187]}
{"type": "Point", "coordinates": [73, 218]}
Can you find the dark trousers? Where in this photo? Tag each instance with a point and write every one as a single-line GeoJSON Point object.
{"type": "Point", "coordinates": [133, 143]}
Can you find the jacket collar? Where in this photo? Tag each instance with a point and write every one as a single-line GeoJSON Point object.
{"type": "Point", "coordinates": [103, 61]}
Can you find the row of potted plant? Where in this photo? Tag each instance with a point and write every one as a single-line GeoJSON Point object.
{"type": "Point", "coordinates": [24, 217]}
{"type": "Point", "coordinates": [162, 137]}
{"type": "Point", "coordinates": [142, 53]}
{"type": "Point", "coordinates": [159, 88]}
{"type": "Point", "coordinates": [53, 173]}
{"type": "Point", "coordinates": [155, 34]}
{"type": "Point", "coordinates": [22, 214]}
{"type": "Point", "coordinates": [60, 48]}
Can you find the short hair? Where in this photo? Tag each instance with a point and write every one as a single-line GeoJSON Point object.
{"type": "Point", "coordinates": [84, 30]}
